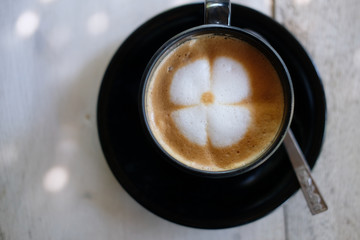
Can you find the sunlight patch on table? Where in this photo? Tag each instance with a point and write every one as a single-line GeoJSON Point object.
{"type": "Point", "coordinates": [56, 179]}
{"type": "Point", "coordinates": [98, 23]}
{"type": "Point", "coordinates": [27, 24]}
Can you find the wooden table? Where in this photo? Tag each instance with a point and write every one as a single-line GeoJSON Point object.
{"type": "Point", "coordinates": [54, 180]}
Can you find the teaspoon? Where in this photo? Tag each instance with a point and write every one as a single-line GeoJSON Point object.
{"type": "Point", "coordinates": [314, 199]}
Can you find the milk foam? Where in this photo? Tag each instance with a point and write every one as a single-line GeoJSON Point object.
{"type": "Point", "coordinates": [230, 82]}
{"type": "Point", "coordinates": [221, 123]}
{"type": "Point", "coordinates": [215, 103]}
{"type": "Point", "coordinates": [190, 82]}
{"type": "Point", "coordinates": [227, 124]}
{"type": "Point", "coordinates": [192, 123]}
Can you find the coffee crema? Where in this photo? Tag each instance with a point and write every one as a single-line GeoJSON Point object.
{"type": "Point", "coordinates": [214, 103]}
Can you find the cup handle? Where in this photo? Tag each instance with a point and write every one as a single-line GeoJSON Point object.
{"type": "Point", "coordinates": [217, 12]}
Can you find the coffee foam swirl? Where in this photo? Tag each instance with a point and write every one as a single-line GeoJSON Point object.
{"type": "Point", "coordinates": [190, 82]}
{"type": "Point", "coordinates": [214, 103]}
{"type": "Point", "coordinates": [209, 88]}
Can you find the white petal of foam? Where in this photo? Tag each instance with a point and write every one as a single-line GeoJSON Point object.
{"type": "Point", "coordinates": [230, 81]}
{"type": "Point", "coordinates": [227, 124]}
{"type": "Point", "coordinates": [192, 123]}
{"type": "Point", "coordinates": [190, 82]}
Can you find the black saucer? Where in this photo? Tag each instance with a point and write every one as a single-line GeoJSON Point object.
{"type": "Point", "coordinates": [171, 193]}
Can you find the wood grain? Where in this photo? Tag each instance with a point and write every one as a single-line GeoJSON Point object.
{"type": "Point", "coordinates": [54, 181]}
{"type": "Point", "coordinates": [329, 30]}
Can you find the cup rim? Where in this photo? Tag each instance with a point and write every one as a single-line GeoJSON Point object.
{"type": "Point", "coordinates": [256, 41]}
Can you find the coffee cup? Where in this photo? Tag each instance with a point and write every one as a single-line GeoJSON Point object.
{"type": "Point", "coordinates": [216, 100]}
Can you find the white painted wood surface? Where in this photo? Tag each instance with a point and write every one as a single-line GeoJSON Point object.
{"type": "Point", "coordinates": [54, 181]}
{"type": "Point", "coordinates": [330, 31]}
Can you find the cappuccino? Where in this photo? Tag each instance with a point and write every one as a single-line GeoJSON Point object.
{"type": "Point", "coordinates": [214, 103]}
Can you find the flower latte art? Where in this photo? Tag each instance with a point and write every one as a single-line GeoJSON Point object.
{"type": "Point", "coordinates": [214, 103]}
{"type": "Point", "coordinates": [211, 96]}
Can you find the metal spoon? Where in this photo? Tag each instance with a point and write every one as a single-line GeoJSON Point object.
{"type": "Point", "coordinates": [313, 197]}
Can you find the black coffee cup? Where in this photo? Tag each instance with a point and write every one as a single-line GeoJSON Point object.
{"type": "Point", "coordinates": [217, 23]}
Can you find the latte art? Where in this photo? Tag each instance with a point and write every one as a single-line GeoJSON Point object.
{"type": "Point", "coordinates": [212, 97]}
{"type": "Point", "coordinates": [214, 103]}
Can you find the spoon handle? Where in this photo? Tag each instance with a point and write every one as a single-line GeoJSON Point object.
{"type": "Point", "coordinates": [308, 186]}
